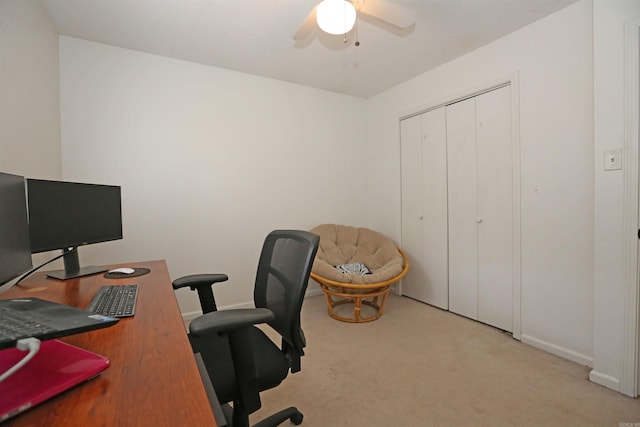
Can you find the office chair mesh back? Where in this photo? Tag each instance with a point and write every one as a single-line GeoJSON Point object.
{"type": "Point", "coordinates": [281, 281]}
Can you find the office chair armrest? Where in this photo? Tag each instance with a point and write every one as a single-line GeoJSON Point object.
{"type": "Point", "coordinates": [194, 281]}
{"type": "Point", "coordinates": [228, 320]}
{"type": "Point", "coordinates": [202, 283]}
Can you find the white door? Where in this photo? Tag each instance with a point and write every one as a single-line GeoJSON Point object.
{"type": "Point", "coordinates": [424, 207]}
{"type": "Point", "coordinates": [411, 166]}
{"type": "Point", "coordinates": [495, 208]}
{"type": "Point", "coordinates": [463, 214]}
{"type": "Point", "coordinates": [480, 183]}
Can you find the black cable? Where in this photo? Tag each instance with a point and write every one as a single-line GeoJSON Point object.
{"type": "Point", "coordinates": [33, 270]}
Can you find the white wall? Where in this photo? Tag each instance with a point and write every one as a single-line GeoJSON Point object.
{"type": "Point", "coordinates": [553, 59]}
{"type": "Point", "coordinates": [29, 94]}
{"type": "Point", "coordinates": [29, 91]}
{"type": "Point", "coordinates": [609, 129]}
{"type": "Point", "coordinates": [209, 160]}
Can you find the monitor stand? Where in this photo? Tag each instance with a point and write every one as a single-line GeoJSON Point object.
{"type": "Point", "coordinates": [72, 267]}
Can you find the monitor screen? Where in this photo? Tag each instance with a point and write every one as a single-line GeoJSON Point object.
{"type": "Point", "coordinates": [15, 252]}
{"type": "Point", "coordinates": [65, 215]}
{"type": "Point", "coordinates": [70, 214]}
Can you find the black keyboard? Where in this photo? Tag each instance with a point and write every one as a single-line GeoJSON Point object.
{"type": "Point", "coordinates": [16, 325]}
{"type": "Point", "coordinates": [115, 300]}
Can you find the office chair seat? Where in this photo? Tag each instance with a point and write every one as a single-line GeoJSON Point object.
{"type": "Point", "coordinates": [271, 365]}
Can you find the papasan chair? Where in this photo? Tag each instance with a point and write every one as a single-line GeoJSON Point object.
{"type": "Point", "coordinates": [355, 265]}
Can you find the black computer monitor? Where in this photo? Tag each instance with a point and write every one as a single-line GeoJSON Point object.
{"type": "Point", "coordinates": [64, 215]}
{"type": "Point", "coordinates": [15, 252]}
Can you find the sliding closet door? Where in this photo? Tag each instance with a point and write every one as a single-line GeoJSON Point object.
{"type": "Point", "coordinates": [495, 208]}
{"type": "Point", "coordinates": [463, 218]}
{"type": "Point", "coordinates": [424, 207]}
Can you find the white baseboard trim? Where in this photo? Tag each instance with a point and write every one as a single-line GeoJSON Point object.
{"type": "Point", "coordinates": [565, 353]}
{"type": "Point", "coordinates": [187, 317]}
{"type": "Point", "coordinates": [604, 380]}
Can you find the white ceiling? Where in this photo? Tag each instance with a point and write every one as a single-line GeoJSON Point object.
{"type": "Point", "coordinates": [255, 36]}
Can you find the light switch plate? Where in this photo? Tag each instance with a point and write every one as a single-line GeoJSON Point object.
{"type": "Point", "coordinates": [613, 159]}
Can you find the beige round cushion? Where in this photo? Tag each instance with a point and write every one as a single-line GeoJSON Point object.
{"type": "Point", "coordinates": [342, 244]}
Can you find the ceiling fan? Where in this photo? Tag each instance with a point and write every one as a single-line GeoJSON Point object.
{"type": "Point", "coordinates": [339, 16]}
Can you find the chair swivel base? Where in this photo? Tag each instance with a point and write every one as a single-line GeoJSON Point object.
{"type": "Point", "coordinates": [291, 413]}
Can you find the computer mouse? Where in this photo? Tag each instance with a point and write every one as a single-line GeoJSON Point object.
{"type": "Point", "coordinates": [122, 270]}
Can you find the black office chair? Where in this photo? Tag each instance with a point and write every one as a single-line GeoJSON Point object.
{"type": "Point", "coordinates": [240, 359]}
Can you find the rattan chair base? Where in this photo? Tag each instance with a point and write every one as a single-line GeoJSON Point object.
{"type": "Point", "coordinates": [373, 295]}
{"type": "Point", "coordinates": [337, 298]}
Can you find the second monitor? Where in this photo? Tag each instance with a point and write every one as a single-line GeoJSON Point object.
{"type": "Point", "coordinates": [64, 215]}
{"type": "Point", "coordinates": [15, 253]}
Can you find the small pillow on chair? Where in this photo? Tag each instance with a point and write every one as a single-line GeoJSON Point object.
{"type": "Point", "coordinates": [356, 268]}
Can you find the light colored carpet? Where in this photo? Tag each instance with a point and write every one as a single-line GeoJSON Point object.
{"type": "Point", "coordinates": [421, 366]}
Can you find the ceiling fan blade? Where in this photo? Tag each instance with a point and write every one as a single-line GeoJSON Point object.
{"type": "Point", "coordinates": [387, 11]}
{"type": "Point", "coordinates": [308, 26]}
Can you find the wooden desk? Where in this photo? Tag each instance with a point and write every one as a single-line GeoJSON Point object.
{"type": "Point", "coordinates": [152, 380]}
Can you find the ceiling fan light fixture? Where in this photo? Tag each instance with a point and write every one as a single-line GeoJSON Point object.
{"type": "Point", "coordinates": [336, 16]}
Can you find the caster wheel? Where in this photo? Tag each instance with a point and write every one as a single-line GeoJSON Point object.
{"type": "Point", "coordinates": [297, 418]}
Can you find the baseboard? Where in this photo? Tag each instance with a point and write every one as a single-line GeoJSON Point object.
{"type": "Point", "coordinates": [604, 380]}
{"type": "Point", "coordinates": [565, 353]}
{"type": "Point", "coordinates": [188, 317]}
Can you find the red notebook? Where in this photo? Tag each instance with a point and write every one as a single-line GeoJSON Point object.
{"type": "Point", "coordinates": [55, 368]}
